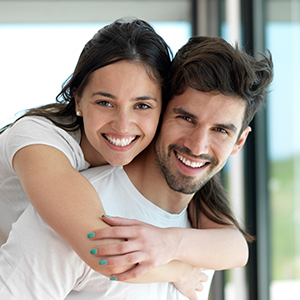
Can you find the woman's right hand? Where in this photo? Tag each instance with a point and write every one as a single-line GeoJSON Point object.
{"type": "Point", "coordinates": [192, 282]}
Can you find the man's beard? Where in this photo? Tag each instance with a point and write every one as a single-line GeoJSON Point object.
{"type": "Point", "coordinates": [182, 183]}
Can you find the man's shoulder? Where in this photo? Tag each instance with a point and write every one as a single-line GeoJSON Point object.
{"type": "Point", "coordinates": [96, 173]}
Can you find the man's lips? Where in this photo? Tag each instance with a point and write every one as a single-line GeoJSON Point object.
{"type": "Point", "coordinates": [190, 163]}
{"type": "Point", "coordinates": [120, 142]}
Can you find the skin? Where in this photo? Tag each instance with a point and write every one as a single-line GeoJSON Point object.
{"type": "Point", "coordinates": [199, 132]}
{"type": "Point", "coordinates": [120, 106]}
{"type": "Point", "coordinates": [120, 100]}
{"type": "Point", "coordinates": [50, 167]}
{"type": "Point", "coordinates": [204, 135]}
{"type": "Point", "coordinates": [132, 105]}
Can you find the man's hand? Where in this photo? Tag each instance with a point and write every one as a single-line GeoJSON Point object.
{"type": "Point", "coordinates": [145, 246]}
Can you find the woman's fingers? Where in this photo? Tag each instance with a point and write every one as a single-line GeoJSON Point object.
{"type": "Point", "coordinates": [117, 221]}
{"type": "Point", "coordinates": [136, 271]}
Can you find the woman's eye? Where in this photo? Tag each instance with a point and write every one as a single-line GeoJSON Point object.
{"type": "Point", "coordinates": [142, 106]}
{"type": "Point", "coordinates": [104, 103]}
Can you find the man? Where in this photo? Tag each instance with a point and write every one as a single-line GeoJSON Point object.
{"type": "Point", "coordinates": [216, 90]}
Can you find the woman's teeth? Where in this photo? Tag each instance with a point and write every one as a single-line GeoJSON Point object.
{"type": "Point", "coordinates": [120, 142]}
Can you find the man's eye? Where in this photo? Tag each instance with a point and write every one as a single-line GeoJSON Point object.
{"type": "Point", "coordinates": [142, 106]}
{"type": "Point", "coordinates": [222, 130]}
{"type": "Point", "coordinates": [104, 103]}
{"type": "Point", "coordinates": [186, 118]}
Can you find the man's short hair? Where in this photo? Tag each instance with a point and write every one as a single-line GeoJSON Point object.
{"type": "Point", "coordinates": [210, 64]}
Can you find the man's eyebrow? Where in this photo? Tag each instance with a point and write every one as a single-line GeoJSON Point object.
{"type": "Point", "coordinates": [230, 127]}
{"type": "Point", "coordinates": [108, 95]}
{"type": "Point", "coordinates": [182, 111]}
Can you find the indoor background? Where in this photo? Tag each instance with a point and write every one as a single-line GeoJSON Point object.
{"type": "Point", "coordinates": [40, 42]}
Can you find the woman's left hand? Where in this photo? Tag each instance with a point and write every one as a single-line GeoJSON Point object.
{"type": "Point", "coordinates": [145, 246]}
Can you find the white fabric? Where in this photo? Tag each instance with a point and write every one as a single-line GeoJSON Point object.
{"type": "Point", "coordinates": [25, 132]}
{"type": "Point", "coordinates": [37, 264]}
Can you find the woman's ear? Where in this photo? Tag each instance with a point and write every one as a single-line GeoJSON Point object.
{"type": "Point", "coordinates": [77, 102]}
{"type": "Point", "coordinates": [240, 143]}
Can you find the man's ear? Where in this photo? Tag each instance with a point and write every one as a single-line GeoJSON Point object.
{"type": "Point", "coordinates": [240, 143]}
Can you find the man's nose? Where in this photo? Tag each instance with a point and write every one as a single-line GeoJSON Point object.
{"type": "Point", "coordinates": [122, 121]}
{"type": "Point", "coordinates": [198, 141]}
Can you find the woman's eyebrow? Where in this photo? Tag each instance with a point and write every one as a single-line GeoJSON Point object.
{"type": "Point", "coordinates": [104, 94]}
{"type": "Point", "coordinates": [109, 95]}
{"type": "Point", "coordinates": [142, 98]}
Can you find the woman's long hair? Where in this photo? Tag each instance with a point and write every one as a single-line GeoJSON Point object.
{"type": "Point", "coordinates": [132, 40]}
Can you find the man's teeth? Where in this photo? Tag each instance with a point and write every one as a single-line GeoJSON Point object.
{"type": "Point", "coordinates": [120, 142]}
{"type": "Point", "coordinates": [189, 163]}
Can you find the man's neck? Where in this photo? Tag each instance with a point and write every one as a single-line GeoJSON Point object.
{"type": "Point", "coordinates": [146, 175]}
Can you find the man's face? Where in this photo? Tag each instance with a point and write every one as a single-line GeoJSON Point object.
{"type": "Point", "coordinates": [198, 134]}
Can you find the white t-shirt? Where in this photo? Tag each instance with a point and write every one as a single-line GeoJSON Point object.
{"type": "Point", "coordinates": [25, 132]}
{"type": "Point", "coordinates": [37, 264]}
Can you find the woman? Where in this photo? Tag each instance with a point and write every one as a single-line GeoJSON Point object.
{"type": "Point", "coordinates": [107, 112]}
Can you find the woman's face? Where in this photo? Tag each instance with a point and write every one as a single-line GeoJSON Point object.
{"type": "Point", "coordinates": [120, 106]}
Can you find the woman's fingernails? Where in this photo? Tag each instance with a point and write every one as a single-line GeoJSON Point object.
{"type": "Point", "coordinates": [94, 251]}
{"type": "Point", "coordinates": [107, 216]}
{"type": "Point", "coordinates": [102, 262]}
{"type": "Point", "coordinates": [113, 278]}
{"type": "Point", "coordinates": [91, 235]}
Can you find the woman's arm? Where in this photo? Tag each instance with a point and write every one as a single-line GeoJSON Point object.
{"type": "Point", "coordinates": [70, 205]}
{"type": "Point", "coordinates": [214, 246]}
{"type": "Point", "coordinates": [63, 197]}
{"type": "Point", "coordinates": [68, 202]}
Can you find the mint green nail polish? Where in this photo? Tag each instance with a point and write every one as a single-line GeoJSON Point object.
{"type": "Point", "coordinates": [113, 278]}
{"type": "Point", "coordinates": [91, 235]}
{"type": "Point", "coordinates": [102, 262]}
{"type": "Point", "coordinates": [108, 216]}
{"type": "Point", "coordinates": [94, 251]}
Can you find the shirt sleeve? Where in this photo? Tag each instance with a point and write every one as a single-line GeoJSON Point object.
{"type": "Point", "coordinates": [39, 130]}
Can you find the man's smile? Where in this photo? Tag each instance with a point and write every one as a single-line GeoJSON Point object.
{"type": "Point", "coordinates": [188, 162]}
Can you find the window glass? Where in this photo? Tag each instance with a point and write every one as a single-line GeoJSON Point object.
{"type": "Point", "coordinates": [283, 40]}
{"type": "Point", "coordinates": [36, 59]}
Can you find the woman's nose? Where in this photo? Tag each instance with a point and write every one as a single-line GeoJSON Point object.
{"type": "Point", "coordinates": [122, 122]}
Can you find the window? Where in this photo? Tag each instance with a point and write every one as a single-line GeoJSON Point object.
{"type": "Point", "coordinates": [283, 40]}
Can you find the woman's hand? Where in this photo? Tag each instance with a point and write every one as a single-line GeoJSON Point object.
{"type": "Point", "coordinates": [145, 246]}
{"type": "Point", "coordinates": [191, 283]}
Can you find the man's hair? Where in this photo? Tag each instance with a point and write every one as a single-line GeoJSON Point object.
{"type": "Point", "coordinates": [210, 64]}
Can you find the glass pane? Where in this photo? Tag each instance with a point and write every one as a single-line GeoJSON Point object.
{"type": "Point", "coordinates": [38, 58]}
{"type": "Point", "coordinates": [283, 40]}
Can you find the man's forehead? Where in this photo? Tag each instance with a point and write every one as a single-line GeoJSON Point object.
{"type": "Point", "coordinates": [215, 104]}
{"type": "Point", "coordinates": [193, 96]}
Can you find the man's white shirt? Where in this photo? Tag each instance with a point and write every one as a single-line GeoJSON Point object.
{"type": "Point", "coordinates": [36, 263]}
